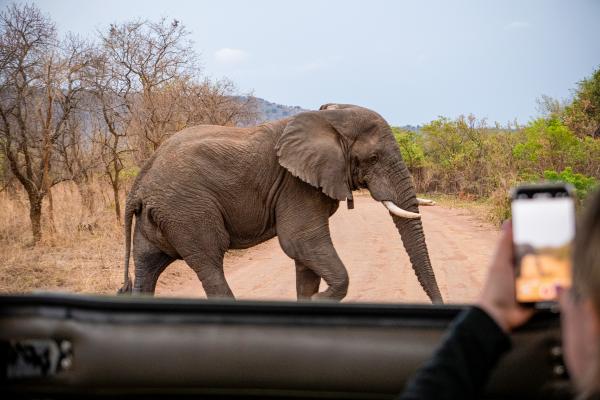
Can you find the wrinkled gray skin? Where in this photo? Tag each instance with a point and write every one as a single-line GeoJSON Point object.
{"type": "Point", "coordinates": [212, 188]}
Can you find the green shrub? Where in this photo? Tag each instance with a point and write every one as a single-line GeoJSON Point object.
{"type": "Point", "coordinates": [546, 143]}
{"type": "Point", "coordinates": [467, 158]}
{"type": "Point", "coordinates": [583, 114]}
{"type": "Point", "coordinates": [411, 148]}
{"type": "Point", "coordinates": [583, 184]}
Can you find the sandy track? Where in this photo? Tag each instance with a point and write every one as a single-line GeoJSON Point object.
{"type": "Point", "coordinates": [366, 239]}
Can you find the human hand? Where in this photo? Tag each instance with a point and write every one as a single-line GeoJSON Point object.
{"type": "Point", "coordinates": [498, 295]}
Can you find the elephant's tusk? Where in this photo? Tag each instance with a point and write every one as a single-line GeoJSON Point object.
{"type": "Point", "coordinates": [425, 202]}
{"type": "Point", "coordinates": [394, 209]}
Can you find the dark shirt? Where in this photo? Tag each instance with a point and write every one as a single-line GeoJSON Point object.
{"type": "Point", "coordinates": [460, 367]}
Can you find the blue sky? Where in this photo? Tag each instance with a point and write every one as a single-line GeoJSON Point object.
{"type": "Point", "coordinates": [410, 61]}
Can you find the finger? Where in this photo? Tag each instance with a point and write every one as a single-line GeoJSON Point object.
{"type": "Point", "coordinates": [507, 227]}
{"type": "Point", "coordinates": [505, 247]}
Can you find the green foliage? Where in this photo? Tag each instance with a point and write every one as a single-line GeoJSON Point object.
{"type": "Point", "coordinates": [462, 156]}
{"type": "Point", "coordinates": [546, 143]}
{"type": "Point", "coordinates": [411, 148]}
{"type": "Point", "coordinates": [466, 158]}
{"type": "Point", "coordinates": [583, 184]}
{"type": "Point", "coordinates": [583, 114]}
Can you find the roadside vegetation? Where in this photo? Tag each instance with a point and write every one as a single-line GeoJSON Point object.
{"type": "Point", "coordinates": [468, 158]}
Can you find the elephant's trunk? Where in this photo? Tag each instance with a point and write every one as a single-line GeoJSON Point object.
{"type": "Point", "coordinates": [411, 232]}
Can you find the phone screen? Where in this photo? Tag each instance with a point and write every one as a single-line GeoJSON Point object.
{"type": "Point", "coordinates": [543, 232]}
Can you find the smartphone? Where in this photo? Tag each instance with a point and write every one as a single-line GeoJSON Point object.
{"type": "Point", "coordinates": [543, 221]}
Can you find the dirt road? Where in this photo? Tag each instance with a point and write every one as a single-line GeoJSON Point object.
{"type": "Point", "coordinates": [366, 240]}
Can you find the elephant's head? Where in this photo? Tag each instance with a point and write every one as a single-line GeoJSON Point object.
{"type": "Point", "coordinates": [341, 148]}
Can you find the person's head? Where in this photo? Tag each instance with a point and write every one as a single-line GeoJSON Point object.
{"type": "Point", "coordinates": [580, 305]}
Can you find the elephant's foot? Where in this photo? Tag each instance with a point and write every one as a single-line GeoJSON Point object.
{"type": "Point", "coordinates": [218, 292]}
{"type": "Point", "coordinates": [337, 289]}
{"type": "Point", "coordinates": [324, 296]}
{"type": "Point", "coordinates": [126, 288]}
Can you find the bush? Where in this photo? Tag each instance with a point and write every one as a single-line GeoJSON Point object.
{"type": "Point", "coordinates": [411, 148]}
{"type": "Point", "coordinates": [467, 158]}
{"type": "Point", "coordinates": [583, 114]}
{"type": "Point", "coordinates": [546, 144]}
{"type": "Point", "coordinates": [583, 184]}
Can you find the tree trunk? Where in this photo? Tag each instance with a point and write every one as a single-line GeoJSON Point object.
{"type": "Point", "coordinates": [35, 215]}
{"type": "Point", "coordinates": [87, 200]}
{"type": "Point", "coordinates": [115, 186]}
{"type": "Point", "coordinates": [51, 210]}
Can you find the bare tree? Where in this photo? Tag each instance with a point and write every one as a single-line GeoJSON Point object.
{"type": "Point", "coordinates": [80, 155]}
{"type": "Point", "coordinates": [217, 103]}
{"type": "Point", "coordinates": [549, 106]}
{"type": "Point", "coordinates": [39, 86]}
{"type": "Point", "coordinates": [185, 102]}
{"type": "Point", "coordinates": [69, 109]}
{"type": "Point", "coordinates": [148, 59]}
{"type": "Point", "coordinates": [114, 108]}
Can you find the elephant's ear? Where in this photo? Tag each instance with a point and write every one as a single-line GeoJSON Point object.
{"type": "Point", "coordinates": [314, 151]}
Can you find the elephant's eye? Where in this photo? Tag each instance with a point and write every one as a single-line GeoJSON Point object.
{"type": "Point", "coordinates": [373, 159]}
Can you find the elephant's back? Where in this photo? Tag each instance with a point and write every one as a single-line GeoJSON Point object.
{"type": "Point", "coordinates": [210, 156]}
{"type": "Point", "coordinates": [203, 142]}
{"type": "Point", "coordinates": [201, 134]}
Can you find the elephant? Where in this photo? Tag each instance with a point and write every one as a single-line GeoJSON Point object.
{"type": "Point", "coordinates": [208, 189]}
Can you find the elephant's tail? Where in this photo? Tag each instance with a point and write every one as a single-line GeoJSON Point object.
{"type": "Point", "coordinates": [130, 209]}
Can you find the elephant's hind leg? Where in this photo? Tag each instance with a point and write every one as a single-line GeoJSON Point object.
{"type": "Point", "coordinates": [150, 262]}
{"type": "Point", "coordinates": [208, 266]}
{"type": "Point", "coordinates": [203, 248]}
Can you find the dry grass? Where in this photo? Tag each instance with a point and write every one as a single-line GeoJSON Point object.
{"type": "Point", "coordinates": [68, 258]}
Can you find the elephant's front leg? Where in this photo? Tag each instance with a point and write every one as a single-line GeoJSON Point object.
{"type": "Point", "coordinates": [303, 232]}
{"type": "Point", "coordinates": [322, 262]}
{"type": "Point", "coordinates": [328, 266]}
{"type": "Point", "coordinates": [307, 281]}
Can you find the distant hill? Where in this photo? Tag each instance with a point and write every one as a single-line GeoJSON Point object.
{"type": "Point", "coordinates": [272, 111]}
{"type": "Point", "coordinates": [411, 128]}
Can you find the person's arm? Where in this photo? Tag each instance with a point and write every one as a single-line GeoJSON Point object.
{"type": "Point", "coordinates": [459, 369]}
{"type": "Point", "coordinates": [461, 365]}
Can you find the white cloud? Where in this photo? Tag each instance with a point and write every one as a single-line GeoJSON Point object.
{"type": "Point", "coordinates": [230, 57]}
{"type": "Point", "coordinates": [516, 25]}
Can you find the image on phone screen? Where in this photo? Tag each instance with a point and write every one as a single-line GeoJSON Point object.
{"type": "Point", "coordinates": [543, 232]}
